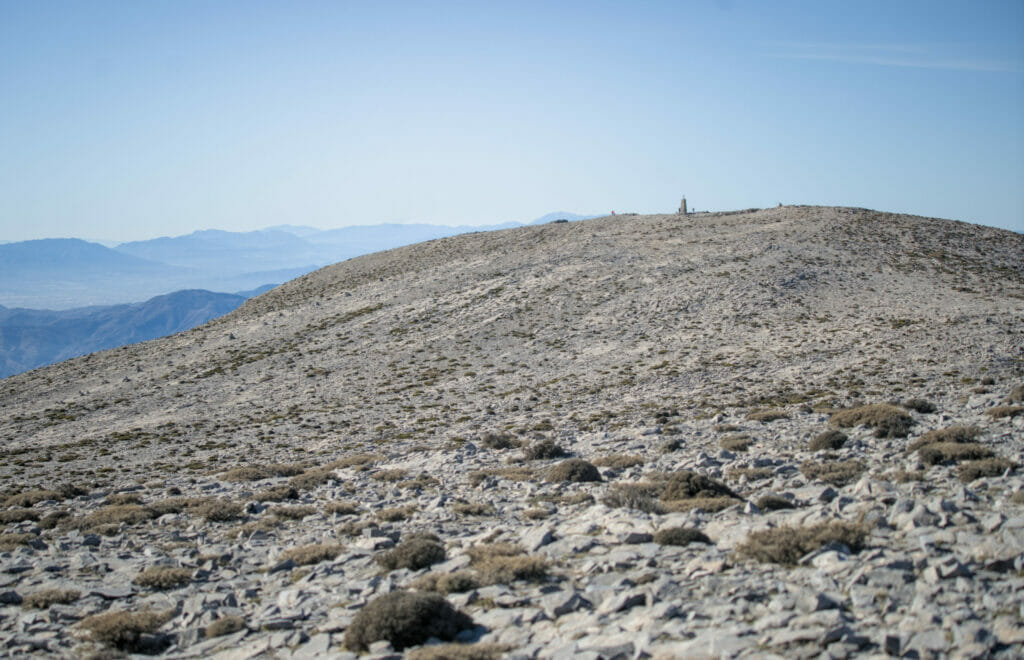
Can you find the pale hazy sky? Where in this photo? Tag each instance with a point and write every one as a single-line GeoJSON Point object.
{"type": "Point", "coordinates": [134, 119]}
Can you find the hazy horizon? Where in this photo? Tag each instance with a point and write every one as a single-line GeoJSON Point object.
{"type": "Point", "coordinates": [127, 121]}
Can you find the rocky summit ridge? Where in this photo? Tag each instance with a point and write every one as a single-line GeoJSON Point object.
{"type": "Point", "coordinates": [790, 432]}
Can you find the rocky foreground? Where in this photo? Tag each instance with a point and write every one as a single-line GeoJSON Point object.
{"type": "Point", "coordinates": [615, 451]}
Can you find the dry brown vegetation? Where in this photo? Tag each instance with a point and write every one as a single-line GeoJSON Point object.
{"type": "Point", "coordinates": [259, 472]}
{"type": "Point", "coordinates": [619, 461]}
{"type": "Point", "coordinates": [574, 470]}
{"type": "Point", "coordinates": [543, 450]}
{"type": "Point", "coordinates": [1000, 412]}
{"type": "Point", "coordinates": [163, 577]}
{"type": "Point", "coordinates": [513, 474]}
{"type": "Point", "coordinates": [889, 421]}
{"type": "Point", "coordinates": [681, 536]}
{"type": "Point", "coordinates": [946, 453]}
{"type": "Point", "coordinates": [123, 630]}
{"type": "Point", "coordinates": [767, 415]}
{"type": "Point", "coordinates": [774, 503]}
{"type": "Point", "coordinates": [828, 441]}
{"type": "Point", "coordinates": [41, 600]}
{"type": "Point", "coordinates": [989, 467]}
{"type": "Point", "coordinates": [786, 545]}
{"type": "Point", "coordinates": [18, 515]}
{"type": "Point", "coordinates": [341, 508]}
{"type": "Point", "coordinates": [10, 542]}
{"type": "Point", "coordinates": [297, 512]}
{"type": "Point", "coordinates": [312, 554]}
{"type": "Point", "coordinates": [405, 618]}
{"type": "Point", "coordinates": [686, 484]}
{"type": "Point", "coordinates": [473, 509]}
{"type": "Point", "coordinates": [225, 626]}
{"type": "Point", "coordinates": [735, 442]}
{"type": "Point", "coordinates": [415, 552]}
{"type": "Point", "coordinates": [836, 473]}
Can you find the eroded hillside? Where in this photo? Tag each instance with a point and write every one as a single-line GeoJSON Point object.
{"type": "Point", "coordinates": [769, 433]}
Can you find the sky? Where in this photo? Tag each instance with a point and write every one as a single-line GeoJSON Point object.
{"type": "Point", "coordinates": [131, 120]}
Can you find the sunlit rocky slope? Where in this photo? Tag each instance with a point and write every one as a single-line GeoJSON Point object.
{"type": "Point", "coordinates": [411, 391]}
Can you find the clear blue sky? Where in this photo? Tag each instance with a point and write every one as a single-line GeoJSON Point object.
{"type": "Point", "coordinates": [134, 119]}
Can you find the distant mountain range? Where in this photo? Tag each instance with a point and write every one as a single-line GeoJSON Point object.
{"type": "Point", "coordinates": [31, 338]}
{"type": "Point", "coordinates": [70, 273]}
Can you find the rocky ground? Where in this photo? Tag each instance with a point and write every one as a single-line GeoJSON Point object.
{"type": "Point", "coordinates": [798, 433]}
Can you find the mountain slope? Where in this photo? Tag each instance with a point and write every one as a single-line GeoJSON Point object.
{"type": "Point", "coordinates": [735, 306]}
{"type": "Point", "coordinates": [694, 361]}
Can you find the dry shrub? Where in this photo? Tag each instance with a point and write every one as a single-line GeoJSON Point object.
{"type": "Point", "coordinates": [258, 472]}
{"type": "Point", "coordinates": [341, 508]}
{"type": "Point", "coordinates": [543, 450]}
{"type": "Point", "coordinates": [448, 583]}
{"type": "Point", "coordinates": [1017, 497]}
{"type": "Point", "coordinates": [727, 428]}
{"type": "Point", "coordinates": [163, 577]}
{"type": "Point", "coordinates": [837, 473]}
{"type": "Point", "coordinates": [641, 496]}
{"type": "Point", "coordinates": [536, 513]}
{"type": "Point", "coordinates": [889, 421]}
{"type": "Point", "coordinates": [480, 651]}
{"type": "Point", "coordinates": [123, 630]}
{"type": "Point", "coordinates": [130, 514]}
{"type": "Point", "coordinates": [312, 478]}
{"type": "Point", "coordinates": [574, 470]}
{"type": "Point", "coordinates": [473, 509]}
{"type": "Point", "coordinates": [1016, 394]}
{"type": "Point", "coordinates": [54, 518]}
{"type": "Point", "coordinates": [353, 460]}
{"type": "Point", "coordinates": [292, 512]}
{"type": "Point", "coordinates": [947, 453]}
{"type": "Point", "coordinates": [960, 434]}
{"type": "Point", "coordinates": [218, 510]}
{"type": "Point", "coordinates": [413, 553]}
{"type": "Point", "coordinates": [686, 484]}
{"type": "Point", "coordinates": [619, 461]}
{"type": "Point", "coordinates": [828, 440]}
{"type": "Point", "coordinates": [922, 406]}
{"type": "Point", "coordinates": [422, 481]}
{"type": "Point", "coordinates": [395, 514]}
{"type": "Point", "coordinates": [735, 442]}
{"type": "Point", "coordinates": [10, 542]}
{"type": "Point", "coordinates": [669, 446]}
{"type": "Point", "coordinates": [989, 467]}
{"type": "Point", "coordinates": [390, 475]}
{"type": "Point", "coordinates": [751, 473]}
{"type": "Point", "coordinates": [786, 545]}
{"type": "Point", "coordinates": [681, 536]}
{"type": "Point", "coordinates": [405, 618]}
{"type": "Point", "coordinates": [176, 504]}
{"type": "Point", "coordinates": [32, 497]}
{"type": "Point", "coordinates": [1000, 412]}
{"type": "Point", "coordinates": [500, 569]}
{"type": "Point", "coordinates": [313, 554]}
{"type": "Point", "coordinates": [18, 515]}
{"type": "Point", "coordinates": [122, 498]}
{"type": "Point", "coordinates": [40, 600]}
{"type": "Point", "coordinates": [767, 415]}
{"type": "Point", "coordinates": [774, 503]}
{"type": "Point", "coordinates": [709, 504]}
{"type": "Point", "coordinates": [225, 626]}
{"type": "Point", "coordinates": [278, 494]}
{"type": "Point", "coordinates": [499, 441]}
{"type": "Point", "coordinates": [514, 474]}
